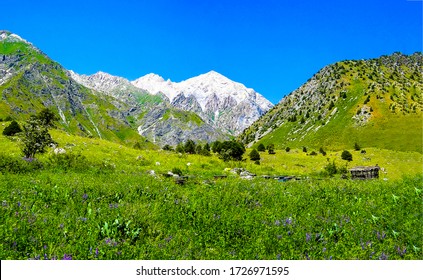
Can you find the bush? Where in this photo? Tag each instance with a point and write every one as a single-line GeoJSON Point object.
{"type": "Point", "coordinates": [216, 147]}
{"type": "Point", "coordinates": [357, 147]}
{"type": "Point", "coordinates": [287, 149]}
{"type": "Point", "coordinates": [189, 147]}
{"type": "Point", "coordinates": [304, 149]}
{"type": "Point", "coordinates": [330, 168]}
{"type": "Point", "coordinates": [231, 150]}
{"type": "Point", "coordinates": [313, 153]}
{"type": "Point", "coordinates": [47, 117]}
{"type": "Point", "coordinates": [35, 138]}
{"type": "Point", "coordinates": [180, 148]}
{"type": "Point", "coordinates": [8, 119]}
{"type": "Point", "coordinates": [12, 129]}
{"type": "Point", "coordinates": [254, 155]}
{"type": "Point", "coordinates": [261, 148]}
{"type": "Point", "coordinates": [346, 156]}
{"type": "Point", "coordinates": [271, 149]}
{"type": "Point", "coordinates": [322, 151]}
{"type": "Point", "coordinates": [167, 148]}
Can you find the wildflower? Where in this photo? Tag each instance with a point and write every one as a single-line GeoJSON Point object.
{"type": "Point", "coordinates": [279, 237]}
{"type": "Point", "coordinates": [85, 196]}
{"type": "Point", "coordinates": [308, 237]}
{"type": "Point", "coordinates": [324, 249]}
{"type": "Point", "coordinates": [277, 223]}
{"type": "Point", "coordinates": [19, 204]}
{"type": "Point", "coordinates": [383, 256]}
{"type": "Point", "coordinates": [61, 225]}
{"type": "Point", "coordinates": [381, 236]}
{"type": "Point", "coordinates": [400, 251]}
{"type": "Point", "coordinates": [288, 221]}
{"type": "Point", "coordinates": [96, 252]}
{"type": "Point", "coordinates": [45, 256]}
{"type": "Point", "coordinates": [67, 257]}
{"type": "Point", "coordinates": [278, 256]}
{"type": "Point", "coordinates": [4, 203]}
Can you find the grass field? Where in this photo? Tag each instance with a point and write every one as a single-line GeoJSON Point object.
{"type": "Point", "coordinates": [99, 202]}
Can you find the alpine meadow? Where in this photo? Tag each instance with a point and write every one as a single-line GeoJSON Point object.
{"type": "Point", "coordinates": [97, 167]}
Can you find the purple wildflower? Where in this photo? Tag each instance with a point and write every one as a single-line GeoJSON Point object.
{"type": "Point", "coordinates": [67, 257]}
{"type": "Point", "coordinates": [96, 252]}
{"type": "Point", "coordinates": [277, 223]}
{"type": "Point", "coordinates": [383, 256]}
{"type": "Point", "coordinates": [278, 256]}
{"type": "Point", "coordinates": [19, 204]}
{"type": "Point", "coordinates": [400, 251]}
{"type": "Point", "coordinates": [85, 196]}
{"type": "Point", "coordinates": [45, 256]}
{"type": "Point", "coordinates": [279, 237]}
{"type": "Point", "coordinates": [288, 221]}
{"type": "Point", "coordinates": [4, 203]}
{"type": "Point", "coordinates": [62, 225]}
{"type": "Point", "coordinates": [324, 249]}
{"type": "Point", "coordinates": [380, 236]}
{"type": "Point", "coordinates": [308, 237]}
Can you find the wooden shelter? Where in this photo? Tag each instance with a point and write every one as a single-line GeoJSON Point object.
{"type": "Point", "coordinates": [365, 172]}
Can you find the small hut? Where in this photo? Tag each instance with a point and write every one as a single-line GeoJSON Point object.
{"type": "Point", "coordinates": [365, 172]}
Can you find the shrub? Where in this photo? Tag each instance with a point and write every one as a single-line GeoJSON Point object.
{"type": "Point", "coordinates": [231, 150]}
{"type": "Point", "coordinates": [357, 147]}
{"type": "Point", "coordinates": [35, 138]}
{"type": "Point", "coordinates": [254, 155]}
{"type": "Point", "coordinates": [331, 168]}
{"type": "Point", "coordinates": [304, 149]}
{"type": "Point", "coordinates": [261, 147]}
{"type": "Point", "coordinates": [287, 149]}
{"type": "Point", "coordinates": [12, 129]}
{"type": "Point", "coordinates": [313, 153]}
{"type": "Point", "coordinates": [189, 147]}
{"type": "Point", "coordinates": [167, 148]}
{"type": "Point", "coordinates": [271, 149]}
{"type": "Point", "coordinates": [8, 119]}
{"type": "Point", "coordinates": [216, 147]}
{"type": "Point", "coordinates": [47, 117]}
{"type": "Point", "coordinates": [322, 151]}
{"type": "Point", "coordinates": [346, 156]}
{"type": "Point", "coordinates": [180, 148]}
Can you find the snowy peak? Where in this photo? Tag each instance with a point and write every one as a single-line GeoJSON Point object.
{"type": "Point", "coordinates": [10, 37]}
{"type": "Point", "coordinates": [220, 101]}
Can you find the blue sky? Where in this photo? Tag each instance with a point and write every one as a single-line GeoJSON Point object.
{"type": "Point", "coordinates": [273, 46]}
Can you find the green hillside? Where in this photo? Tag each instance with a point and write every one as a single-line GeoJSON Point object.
{"type": "Point", "coordinates": [375, 103]}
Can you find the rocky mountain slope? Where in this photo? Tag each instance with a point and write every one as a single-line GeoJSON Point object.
{"type": "Point", "coordinates": [99, 105]}
{"type": "Point", "coordinates": [154, 116]}
{"type": "Point", "coordinates": [219, 101]}
{"type": "Point", "coordinates": [30, 81]}
{"type": "Point", "coordinates": [375, 102]}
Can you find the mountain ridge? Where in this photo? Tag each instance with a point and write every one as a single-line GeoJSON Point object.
{"type": "Point", "coordinates": [375, 102]}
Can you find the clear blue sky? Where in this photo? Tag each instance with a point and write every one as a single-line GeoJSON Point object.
{"type": "Point", "coordinates": [273, 46]}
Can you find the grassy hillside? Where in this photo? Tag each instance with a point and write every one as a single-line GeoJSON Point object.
{"type": "Point", "coordinates": [100, 201]}
{"type": "Point", "coordinates": [375, 103]}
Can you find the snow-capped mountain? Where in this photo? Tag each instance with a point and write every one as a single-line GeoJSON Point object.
{"type": "Point", "coordinates": [220, 101]}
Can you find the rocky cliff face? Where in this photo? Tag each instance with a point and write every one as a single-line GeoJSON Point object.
{"type": "Point", "coordinates": [222, 103]}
